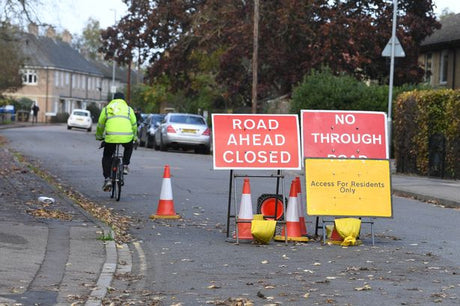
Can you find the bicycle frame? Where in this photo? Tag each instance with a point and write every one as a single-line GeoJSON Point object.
{"type": "Point", "coordinates": [116, 173]}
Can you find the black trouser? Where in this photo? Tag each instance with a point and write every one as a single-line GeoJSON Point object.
{"type": "Point", "coordinates": [109, 149]}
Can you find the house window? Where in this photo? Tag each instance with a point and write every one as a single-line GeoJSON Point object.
{"type": "Point", "coordinates": [444, 64]}
{"type": "Point", "coordinates": [67, 75]}
{"type": "Point", "coordinates": [29, 77]}
{"type": "Point", "coordinates": [428, 67]}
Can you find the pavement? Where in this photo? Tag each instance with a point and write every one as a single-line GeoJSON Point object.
{"type": "Point", "coordinates": [52, 252]}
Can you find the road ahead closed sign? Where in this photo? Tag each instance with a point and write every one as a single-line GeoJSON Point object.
{"type": "Point", "coordinates": [344, 134]}
{"type": "Point", "coordinates": [244, 141]}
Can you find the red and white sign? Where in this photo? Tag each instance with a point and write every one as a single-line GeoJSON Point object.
{"type": "Point", "coordinates": [244, 141]}
{"type": "Point", "coordinates": [344, 134]}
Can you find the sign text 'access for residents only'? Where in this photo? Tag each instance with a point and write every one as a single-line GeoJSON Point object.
{"type": "Point", "coordinates": [244, 141]}
{"type": "Point", "coordinates": [344, 134]}
{"type": "Point", "coordinates": [348, 187]}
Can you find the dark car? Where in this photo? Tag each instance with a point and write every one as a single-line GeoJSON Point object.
{"type": "Point", "coordinates": [148, 128]}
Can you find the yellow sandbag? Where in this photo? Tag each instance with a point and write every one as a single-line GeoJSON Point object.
{"type": "Point", "coordinates": [348, 228]}
{"type": "Point", "coordinates": [263, 230]}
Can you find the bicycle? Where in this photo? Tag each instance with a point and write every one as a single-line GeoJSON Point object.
{"type": "Point", "coordinates": [116, 173]}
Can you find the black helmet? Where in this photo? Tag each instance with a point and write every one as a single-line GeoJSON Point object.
{"type": "Point", "coordinates": [119, 95]}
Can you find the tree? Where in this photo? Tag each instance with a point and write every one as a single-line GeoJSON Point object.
{"type": "Point", "coordinates": [11, 60]}
{"type": "Point", "coordinates": [90, 41]}
{"type": "Point", "coordinates": [294, 38]}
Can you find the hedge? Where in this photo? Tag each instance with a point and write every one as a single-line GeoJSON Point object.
{"type": "Point", "coordinates": [426, 132]}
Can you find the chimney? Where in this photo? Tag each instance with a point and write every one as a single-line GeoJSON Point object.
{"type": "Point", "coordinates": [33, 29]}
{"type": "Point", "coordinates": [50, 32]}
{"type": "Point", "coordinates": [66, 36]}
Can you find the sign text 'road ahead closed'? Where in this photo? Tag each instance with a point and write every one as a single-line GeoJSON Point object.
{"type": "Point", "coordinates": [246, 141]}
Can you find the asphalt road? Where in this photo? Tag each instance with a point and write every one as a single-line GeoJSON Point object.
{"type": "Point", "coordinates": [188, 261]}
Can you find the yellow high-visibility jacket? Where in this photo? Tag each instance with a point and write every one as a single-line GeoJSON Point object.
{"type": "Point", "coordinates": [117, 123]}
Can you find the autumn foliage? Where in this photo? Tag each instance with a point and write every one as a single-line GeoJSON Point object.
{"type": "Point", "coordinates": [182, 38]}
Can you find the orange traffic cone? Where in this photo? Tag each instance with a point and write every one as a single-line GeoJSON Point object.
{"type": "Point", "coordinates": [292, 218]}
{"type": "Point", "coordinates": [166, 204]}
{"type": "Point", "coordinates": [245, 213]}
{"type": "Point", "coordinates": [301, 205]}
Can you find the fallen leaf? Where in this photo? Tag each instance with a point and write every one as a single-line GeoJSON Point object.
{"type": "Point", "coordinates": [213, 287]}
{"type": "Point", "coordinates": [364, 288]}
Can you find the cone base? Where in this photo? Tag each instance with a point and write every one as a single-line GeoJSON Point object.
{"type": "Point", "coordinates": [283, 238]}
{"type": "Point", "coordinates": [164, 217]}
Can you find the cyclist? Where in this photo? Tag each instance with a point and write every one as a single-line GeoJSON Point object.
{"type": "Point", "coordinates": [116, 124]}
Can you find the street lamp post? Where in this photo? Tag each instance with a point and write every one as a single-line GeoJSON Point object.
{"type": "Point", "coordinates": [392, 69]}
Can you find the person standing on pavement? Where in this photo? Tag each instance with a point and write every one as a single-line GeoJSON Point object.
{"type": "Point", "coordinates": [35, 110]}
{"type": "Point", "coordinates": [116, 124]}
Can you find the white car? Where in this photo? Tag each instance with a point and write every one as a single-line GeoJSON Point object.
{"type": "Point", "coordinates": [81, 119]}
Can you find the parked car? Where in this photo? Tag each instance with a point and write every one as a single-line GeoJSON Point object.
{"type": "Point", "coordinates": [148, 128]}
{"type": "Point", "coordinates": [80, 118]}
{"type": "Point", "coordinates": [186, 131]}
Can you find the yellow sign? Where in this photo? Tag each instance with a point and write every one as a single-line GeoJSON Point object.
{"type": "Point", "coordinates": [348, 187]}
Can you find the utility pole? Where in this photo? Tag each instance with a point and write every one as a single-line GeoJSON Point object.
{"type": "Point", "coordinates": [254, 56]}
{"type": "Point", "coordinates": [113, 88]}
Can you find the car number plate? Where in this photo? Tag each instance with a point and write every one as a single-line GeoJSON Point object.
{"type": "Point", "coordinates": [190, 131]}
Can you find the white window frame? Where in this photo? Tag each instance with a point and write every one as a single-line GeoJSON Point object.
{"type": "Point", "coordinates": [443, 67]}
{"type": "Point", "coordinates": [29, 77]}
{"type": "Point", "coordinates": [56, 78]}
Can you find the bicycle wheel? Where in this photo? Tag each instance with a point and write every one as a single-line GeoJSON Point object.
{"type": "Point", "coordinates": [119, 182]}
{"type": "Point", "coordinates": [113, 176]}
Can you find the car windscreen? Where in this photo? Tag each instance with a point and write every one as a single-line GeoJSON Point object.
{"type": "Point", "coordinates": [84, 114]}
{"type": "Point", "coordinates": [187, 119]}
{"type": "Point", "coordinates": [155, 119]}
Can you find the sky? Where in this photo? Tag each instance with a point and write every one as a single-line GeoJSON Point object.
{"type": "Point", "coordinates": [73, 15]}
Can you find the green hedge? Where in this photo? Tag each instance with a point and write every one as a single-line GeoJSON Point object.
{"type": "Point", "coordinates": [426, 132]}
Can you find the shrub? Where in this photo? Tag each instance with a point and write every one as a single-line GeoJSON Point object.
{"type": "Point", "coordinates": [427, 132]}
{"type": "Point", "coordinates": [60, 118]}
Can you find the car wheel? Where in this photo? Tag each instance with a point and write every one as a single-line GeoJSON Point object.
{"type": "Point", "coordinates": [89, 129]}
{"type": "Point", "coordinates": [69, 127]}
{"type": "Point", "coordinates": [163, 147]}
{"type": "Point", "coordinates": [150, 141]}
{"type": "Point", "coordinates": [155, 145]}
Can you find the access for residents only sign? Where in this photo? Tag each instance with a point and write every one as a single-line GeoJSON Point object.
{"type": "Point", "coordinates": [348, 187]}
{"type": "Point", "coordinates": [344, 134]}
{"type": "Point", "coordinates": [256, 141]}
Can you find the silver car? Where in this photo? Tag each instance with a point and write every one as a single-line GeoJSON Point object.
{"type": "Point", "coordinates": [186, 131]}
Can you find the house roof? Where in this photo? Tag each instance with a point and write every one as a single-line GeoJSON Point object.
{"type": "Point", "coordinates": [42, 51]}
{"type": "Point", "coordinates": [448, 34]}
{"type": "Point", "coordinates": [121, 73]}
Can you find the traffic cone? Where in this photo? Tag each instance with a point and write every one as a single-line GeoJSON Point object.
{"type": "Point", "coordinates": [245, 213]}
{"type": "Point", "coordinates": [165, 208]}
{"type": "Point", "coordinates": [292, 218]}
{"type": "Point", "coordinates": [301, 205]}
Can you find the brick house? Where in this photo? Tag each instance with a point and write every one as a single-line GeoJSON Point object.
{"type": "Point", "coordinates": [58, 78]}
{"type": "Point", "coordinates": [440, 54]}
